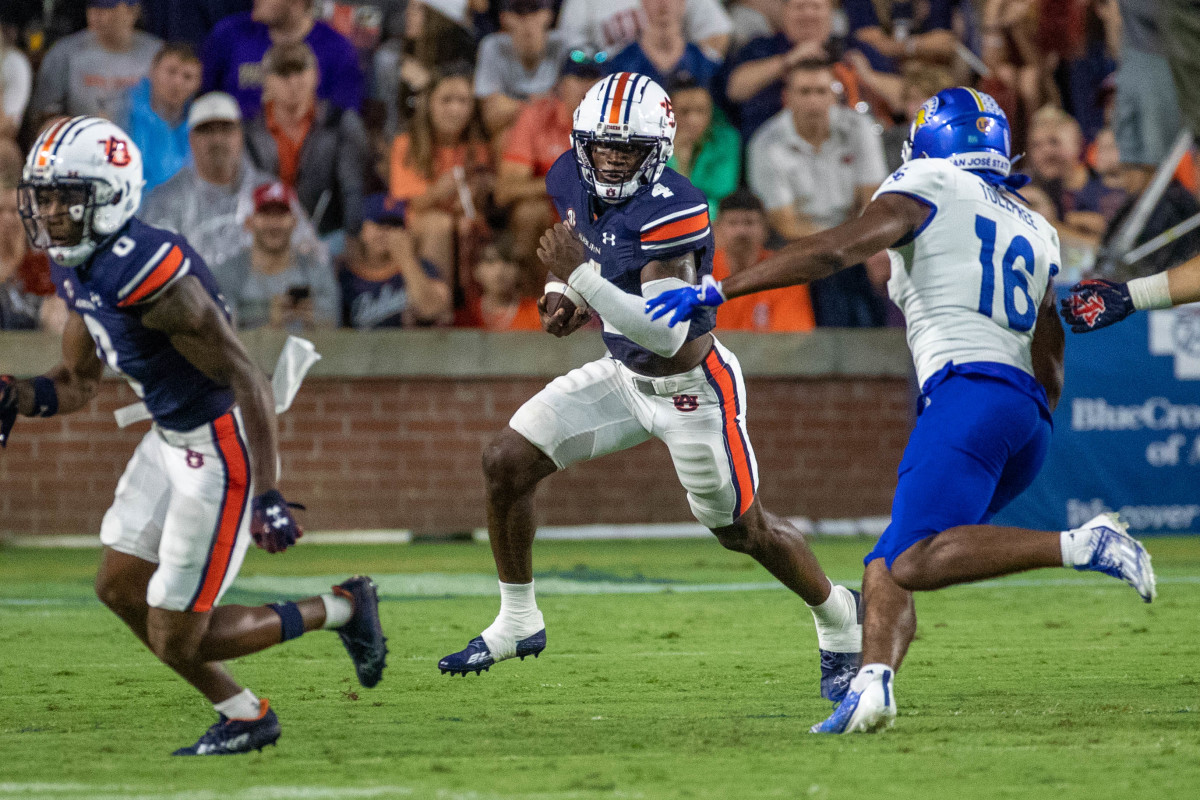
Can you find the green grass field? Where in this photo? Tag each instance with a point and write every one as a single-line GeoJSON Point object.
{"type": "Point", "coordinates": [674, 669]}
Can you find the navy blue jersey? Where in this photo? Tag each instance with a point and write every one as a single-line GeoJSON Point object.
{"type": "Point", "coordinates": [669, 220]}
{"type": "Point", "coordinates": [111, 291]}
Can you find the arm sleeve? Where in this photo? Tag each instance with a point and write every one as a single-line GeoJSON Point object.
{"type": "Point", "coordinates": [626, 312]}
{"type": "Point", "coordinates": [705, 18]}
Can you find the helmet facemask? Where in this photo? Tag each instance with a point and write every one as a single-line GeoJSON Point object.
{"type": "Point", "coordinates": [642, 164]}
{"type": "Point", "coordinates": [59, 215]}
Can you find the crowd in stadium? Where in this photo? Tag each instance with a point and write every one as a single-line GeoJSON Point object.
{"type": "Point", "coordinates": [380, 163]}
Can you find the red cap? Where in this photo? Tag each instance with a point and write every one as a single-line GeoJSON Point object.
{"type": "Point", "coordinates": [275, 193]}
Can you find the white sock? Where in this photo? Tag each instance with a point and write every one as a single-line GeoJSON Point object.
{"type": "Point", "coordinates": [1076, 547]}
{"type": "Point", "coordinates": [243, 705]}
{"type": "Point", "coordinates": [519, 618]}
{"type": "Point", "coordinates": [338, 611]}
{"type": "Point", "coordinates": [868, 673]}
{"type": "Point", "coordinates": [837, 622]}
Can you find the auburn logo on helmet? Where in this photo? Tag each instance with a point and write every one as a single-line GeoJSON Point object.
{"type": "Point", "coordinates": [116, 151]}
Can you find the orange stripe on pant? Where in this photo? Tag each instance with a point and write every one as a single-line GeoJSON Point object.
{"type": "Point", "coordinates": [237, 487]}
{"type": "Point", "coordinates": [722, 378]}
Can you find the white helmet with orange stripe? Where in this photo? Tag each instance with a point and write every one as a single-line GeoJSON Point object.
{"type": "Point", "coordinates": [623, 134]}
{"type": "Point", "coordinates": [82, 181]}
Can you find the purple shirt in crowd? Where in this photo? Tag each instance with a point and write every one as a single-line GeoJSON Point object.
{"type": "Point", "coordinates": [233, 53]}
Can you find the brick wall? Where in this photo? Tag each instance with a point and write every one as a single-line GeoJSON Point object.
{"type": "Point", "coordinates": [404, 453]}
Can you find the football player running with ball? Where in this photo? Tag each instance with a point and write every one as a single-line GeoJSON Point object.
{"type": "Point", "coordinates": [202, 482]}
{"type": "Point", "coordinates": [634, 228]}
{"type": "Point", "coordinates": [971, 266]}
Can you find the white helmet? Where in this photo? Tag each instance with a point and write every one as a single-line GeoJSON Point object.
{"type": "Point", "coordinates": [96, 171]}
{"type": "Point", "coordinates": [625, 110]}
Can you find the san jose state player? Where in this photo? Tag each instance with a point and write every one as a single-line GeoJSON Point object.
{"type": "Point", "coordinates": [970, 269]}
{"type": "Point", "coordinates": [202, 482]}
{"type": "Point", "coordinates": [635, 228]}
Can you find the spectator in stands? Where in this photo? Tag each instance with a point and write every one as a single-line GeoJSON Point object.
{"type": "Point", "coordinates": [541, 134]}
{"type": "Point", "coordinates": [90, 71]}
{"type": "Point", "coordinates": [500, 304]}
{"type": "Point", "coordinates": [755, 85]}
{"type": "Point", "coordinates": [188, 21]}
{"type": "Point", "coordinates": [431, 41]}
{"type": "Point", "coordinates": [890, 33]}
{"type": "Point", "coordinates": [233, 54]}
{"type": "Point", "coordinates": [16, 84]}
{"type": "Point", "coordinates": [27, 299]}
{"type": "Point", "coordinates": [612, 24]}
{"type": "Point", "coordinates": [519, 63]}
{"type": "Point", "coordinates": [921, 81]}
{"type": "Point", "coordinates": [156, 117]}
{"type": "Point", "coordinates": [662, 48]}
{"type": "Point", "coordinates": [366, 24]}
{"type": "Point", "coordinates": [708, 150]}
{"type": "Point", "coordinates": [815, 165]}
{"type": "Point", "coordinates": [741, 237]}
{"type": "Point", "coordinates": [441, 168]}
{"type": "Point", "coordinates": [209, 200]}
{"type": "Point", "coordinates": [1147, 119]}
{"type": "Point", "coordinates": [271, 282]}
{"type": "Point", "coordinates": [1080, 41]}
{"type": "Point", "coordinates": [316, 148]}
{"type": "Point", "coordinates": [1016, 78]}
{"type": "Point", "coordinates": [384, 284]}
{"type": "Point", "coordinates": [1081, 199]}
{"type": "Point", "coordinates": [753, 19]}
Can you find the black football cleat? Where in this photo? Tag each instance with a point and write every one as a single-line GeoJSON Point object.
{"type": "Point", "coordinates": [478, 658]}
{"type": "Point", "coordinates": [229, 737]}
{"type": "Point", "coordinates": [363, 634]}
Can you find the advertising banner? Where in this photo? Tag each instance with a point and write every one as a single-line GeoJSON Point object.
{"type": "Point", "coordinates": [1127, 430]}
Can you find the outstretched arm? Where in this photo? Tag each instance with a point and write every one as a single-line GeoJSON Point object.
{"type": "Point", "coordinates": [199, 331]}
{"type": "Point", "coordinates": [1095, 304]}
{"type": "Point", "coordinates": [68, 387]}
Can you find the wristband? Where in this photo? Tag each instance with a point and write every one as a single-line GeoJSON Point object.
{"type": "Point", "coordinates": [1150, 293]}
{"type": "Point", "coordinates": [45, 397]}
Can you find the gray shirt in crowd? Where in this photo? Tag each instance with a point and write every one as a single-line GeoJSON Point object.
{"type": "Point", "coordinates": [499, 68]}
{"type": "Point", "coordinates": [78, 76]}
{"type": "Point", "coordinates": [249, 292]}
{"type": "Point", "coordinates": [1141, 26]}
{"type": "Point", "coordinates": [783, 169]}
{"type": "Point", "coordinates": [213, 218]}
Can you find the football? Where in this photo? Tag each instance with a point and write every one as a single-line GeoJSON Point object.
{"type": "Point", "coordinates": [568, 299]}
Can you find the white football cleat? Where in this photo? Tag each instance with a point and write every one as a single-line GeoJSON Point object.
{"type": "Point", "coordinates": [870, 705]}
{"type": "Point", "coordinates": [1114, 552]}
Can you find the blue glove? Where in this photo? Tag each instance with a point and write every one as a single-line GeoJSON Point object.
{"type": "Point", "coordinates": [1095, 304]}
{"type": "Point", "coordinates": [8, 407]}
{"type": "Point", "coordinates": [272, 525]}
{"type": "Point", "coordinates": [686, 301]}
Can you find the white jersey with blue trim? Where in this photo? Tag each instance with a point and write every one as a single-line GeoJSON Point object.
{"type": "Point", "coordinates": [971, 278]}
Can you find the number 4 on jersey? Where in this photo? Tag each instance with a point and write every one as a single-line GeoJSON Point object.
{"type": "Point", "coordinates": [660, 190]}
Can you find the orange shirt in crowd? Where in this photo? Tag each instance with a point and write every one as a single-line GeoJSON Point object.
{"type": "Point", "coordinates": [786, 310]}
{"type": "Point", "coordinates": [287, 147]}
{"type": "Point", "coordinates": [405, 182]}
{"type": "Point", "coordinates": [540, 135]}
{"type": "Point", "coordinates": [524, 318]}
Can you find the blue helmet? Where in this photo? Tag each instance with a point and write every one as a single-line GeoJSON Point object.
{"type": "Point", "coordinates": [964, 126]}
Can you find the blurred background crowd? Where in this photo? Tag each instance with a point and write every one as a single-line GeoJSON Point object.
{"type": "Point", "coordinates": [380, 163]}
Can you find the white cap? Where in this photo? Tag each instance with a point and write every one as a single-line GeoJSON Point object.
{"type": "Point", "coordinates": [212, 107]}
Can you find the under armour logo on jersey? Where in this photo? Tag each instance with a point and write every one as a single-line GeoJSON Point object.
{"type": "Point", "coordinates": [278, 519]}
{"type": "Point", "coordinates": [1088, 308]}
{"type": "Point", "coordinates": [686, 402]}
{"type": "Point", "coordinates": [609, 238]}
{"type": "Point", "coordinates": [117, 151]}
{"type": "Point", "coordinates": [195, 460]}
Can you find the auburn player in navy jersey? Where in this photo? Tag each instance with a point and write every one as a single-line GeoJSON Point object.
{"type": "Point", "coordinates": [202, 482]}
{"type": "Point", "coordinates": [634, 228]}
